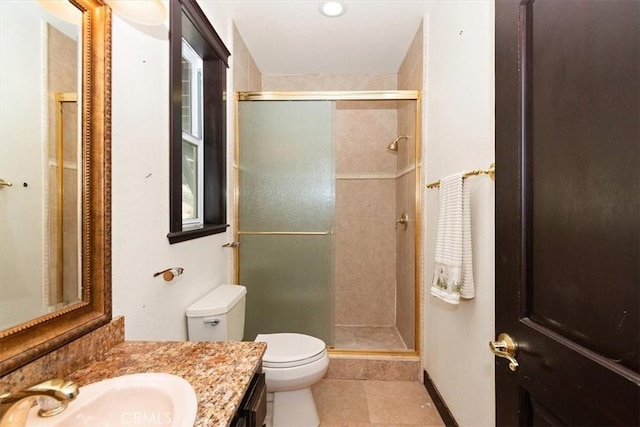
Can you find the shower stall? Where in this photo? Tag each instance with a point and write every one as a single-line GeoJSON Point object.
{"type": "Point", "coordinates": [328, 216]}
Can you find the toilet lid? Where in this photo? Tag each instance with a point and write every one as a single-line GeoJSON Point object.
{"type": "Point", "coordinates": [288, 350]}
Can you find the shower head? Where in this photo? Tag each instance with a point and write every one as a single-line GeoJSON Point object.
{"type": "Point", "coordinates": [393, 146]}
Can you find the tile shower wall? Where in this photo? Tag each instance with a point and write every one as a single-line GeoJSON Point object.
{"type": "Point", "coordinates": [365, 214]}
{"type": "Point", "coordinates": [246, 74]}
{"type": "Point", "coordinates": [409, 78]}
{"type": "Point", "coordinates": [365, 196]}
{"type": "Point", "coordinates": [247, 77]}
{"type": "Point", "coordinates": [329, 82]}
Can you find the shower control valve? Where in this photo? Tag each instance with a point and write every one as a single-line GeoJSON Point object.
{"type": "Point", "coordinates": [404, 220]}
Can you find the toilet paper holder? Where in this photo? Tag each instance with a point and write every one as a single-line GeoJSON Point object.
{"type": "Point", "coordinates": [169, 273]}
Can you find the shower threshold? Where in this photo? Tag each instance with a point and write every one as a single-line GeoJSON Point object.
{"type": "Point", "coordinates": [368, 338]}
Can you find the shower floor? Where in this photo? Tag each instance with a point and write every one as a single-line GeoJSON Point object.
{"type": "Point", "coordinates": [368, 338]}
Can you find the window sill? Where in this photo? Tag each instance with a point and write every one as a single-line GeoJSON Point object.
{"type": "Point", "coordinates": [206, 230]}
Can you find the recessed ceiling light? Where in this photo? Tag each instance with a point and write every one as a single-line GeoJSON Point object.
{"type": "Point", "coordinates": [333, 9]}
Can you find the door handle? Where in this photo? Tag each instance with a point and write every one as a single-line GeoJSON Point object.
{"type": "Point", "coordinates": [4, 183]}
{"type": "Point", "coordinates": [506, 348]}
{"type": "Point", "coordinates": [231, 245]}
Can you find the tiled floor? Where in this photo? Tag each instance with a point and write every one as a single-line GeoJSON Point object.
{"type": "Point", "coordinates": [359, 403]}
{"type": "Point", "coordinates": [368, 338]}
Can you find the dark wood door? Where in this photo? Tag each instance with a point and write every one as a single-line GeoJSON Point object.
{"type": "Point", "coordinates": [567, 210]}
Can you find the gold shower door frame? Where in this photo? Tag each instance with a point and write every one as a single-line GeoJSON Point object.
{"type": "Point", "coordinates": [391, 95]}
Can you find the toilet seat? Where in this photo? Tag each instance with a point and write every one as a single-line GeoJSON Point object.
{"type": "Point", "coordinates": [287, 350]}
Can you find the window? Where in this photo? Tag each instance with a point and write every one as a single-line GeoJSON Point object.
{"type": "Point", "coordinates": [192, 141]}
{"type": "Point", "coordinates": [198, 134]}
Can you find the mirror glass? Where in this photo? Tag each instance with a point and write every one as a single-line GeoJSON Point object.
{"type": "Point", "coordinates": [40, 90]}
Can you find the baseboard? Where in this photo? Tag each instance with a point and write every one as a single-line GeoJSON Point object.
{"type": "Point", "coordinates": [441, 406]}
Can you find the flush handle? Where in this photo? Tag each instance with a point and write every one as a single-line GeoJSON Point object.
{"type": "Point", "coordinates": [212, 322]}
{"type": "Point", "coordinates": [506, 348]}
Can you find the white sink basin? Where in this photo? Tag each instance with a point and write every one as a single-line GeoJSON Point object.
{"type": "Point", "coordinates": [149, 399]}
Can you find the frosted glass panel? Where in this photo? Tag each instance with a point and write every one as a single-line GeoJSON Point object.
{"type": "Point", "coordinates": [286, 165]}
{"type": "Point", "coordinates": [288, 281]}
{"type": "Point", "coordinates": [287, 185]}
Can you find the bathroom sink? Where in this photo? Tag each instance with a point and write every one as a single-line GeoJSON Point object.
{"type": "Point", "coordinates": [147, 399]}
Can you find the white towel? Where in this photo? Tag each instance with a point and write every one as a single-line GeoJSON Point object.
{"type": "Point", "coordinates": [453, 275]}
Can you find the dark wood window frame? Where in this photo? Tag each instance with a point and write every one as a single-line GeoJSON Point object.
{"type": "Point", "coordinates": [189, 22]}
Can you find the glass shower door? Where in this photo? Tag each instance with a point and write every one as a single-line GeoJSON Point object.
{"type": "Point", "coordinates": [286, 212]}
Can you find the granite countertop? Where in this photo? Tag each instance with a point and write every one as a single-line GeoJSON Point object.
{"type": "Point", "coordinates": [219, 372]}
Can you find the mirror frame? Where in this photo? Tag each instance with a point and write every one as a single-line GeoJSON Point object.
{"type": "Point", "coordinates": [30, 340]}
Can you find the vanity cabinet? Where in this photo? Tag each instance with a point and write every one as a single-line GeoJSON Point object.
{"type": "Point", "coordinates": [253, 409]}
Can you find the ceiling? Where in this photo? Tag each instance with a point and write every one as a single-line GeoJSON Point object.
{"type": "Point", "coordinates": [293, 37]}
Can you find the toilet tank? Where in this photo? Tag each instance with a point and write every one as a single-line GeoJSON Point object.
{"type": "Point", "coordinates": [219, 315]}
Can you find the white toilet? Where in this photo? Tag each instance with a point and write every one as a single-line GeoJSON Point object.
{"type": "Point", "coordinates": [292, 362]}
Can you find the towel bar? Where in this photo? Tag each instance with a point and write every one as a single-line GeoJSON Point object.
{"type": "Point", "coordinates": [491, 172]}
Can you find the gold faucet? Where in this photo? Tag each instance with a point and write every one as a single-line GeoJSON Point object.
{"type": "Point", "coordinates": [53, 396]}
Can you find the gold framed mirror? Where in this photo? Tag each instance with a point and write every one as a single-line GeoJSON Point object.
{"type": "Point", "coordinates": [30, 339]}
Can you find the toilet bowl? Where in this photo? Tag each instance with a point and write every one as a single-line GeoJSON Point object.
{"type": "Point", "coordinates": [292, 364]}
